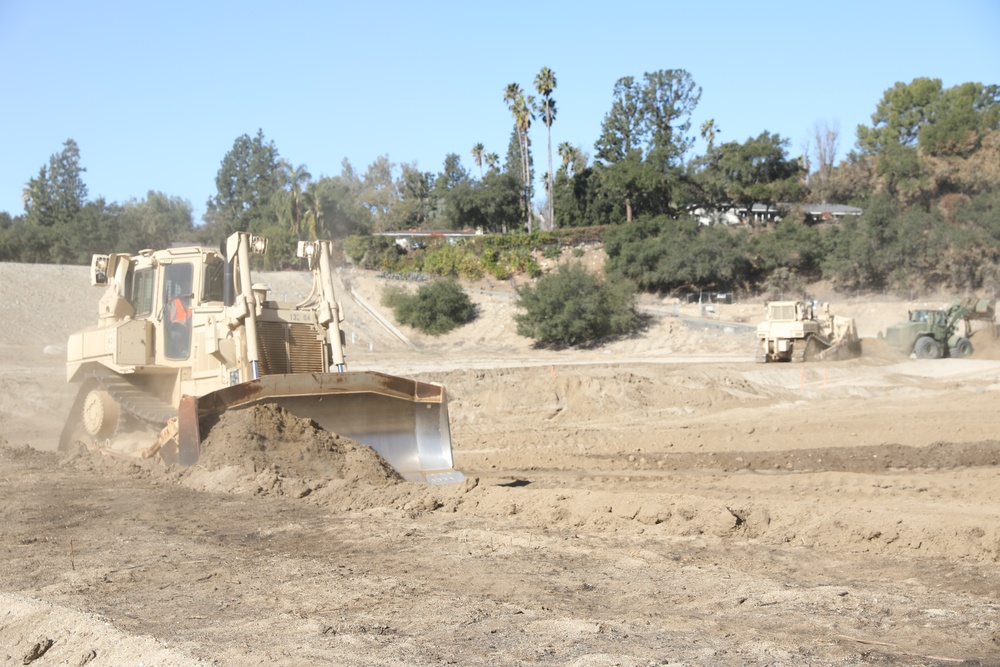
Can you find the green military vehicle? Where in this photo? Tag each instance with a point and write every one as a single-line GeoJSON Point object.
{"type": "Point", "coordinates": [933, 334]}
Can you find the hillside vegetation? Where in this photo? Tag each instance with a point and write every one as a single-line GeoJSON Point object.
{"type": "Point", "coordinates": [925, 176]}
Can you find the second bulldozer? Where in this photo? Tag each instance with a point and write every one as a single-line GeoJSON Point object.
{"type": "Point", "coordinates": [183, 335]}
{"type": "Point", "coordinates": [794, 332]}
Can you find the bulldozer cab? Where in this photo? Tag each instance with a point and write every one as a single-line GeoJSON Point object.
{"type": "Point", "coordinates": [163, 288]}
{"type": "Point", "coordinates": [791, 311]}
{"type": "Point", "coordinates": [786, 311]}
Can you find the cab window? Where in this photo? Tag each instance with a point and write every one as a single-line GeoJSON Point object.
{"type": "Point", "coordinates": [141, 292]}
{"type": "Point", "coordinates": [214, 283]}
{"type": "Point", "coordinates": [178, 286]}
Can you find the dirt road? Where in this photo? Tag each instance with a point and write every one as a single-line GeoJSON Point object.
{"type": "Point", "coordinates": [661, 500]}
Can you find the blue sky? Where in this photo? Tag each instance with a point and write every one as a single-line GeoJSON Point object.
{"type": "Point", "coordinates": [155, 93]}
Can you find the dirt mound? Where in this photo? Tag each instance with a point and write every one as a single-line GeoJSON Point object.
{"type": "Point", "coordinates": [588, 396]}
{"type": "Point", "coordinates": [985, 346]}
{"type": "Point", "coordinates": [266, 450]}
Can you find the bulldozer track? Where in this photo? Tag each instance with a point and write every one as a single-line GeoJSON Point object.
{"type": "Point", "coordinates": [135, 401]}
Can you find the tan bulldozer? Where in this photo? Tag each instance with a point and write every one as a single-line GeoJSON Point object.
{"type": "Point", "coordinates": [183, 335]}
{"type": "Point", "coordinates": [793, 331]}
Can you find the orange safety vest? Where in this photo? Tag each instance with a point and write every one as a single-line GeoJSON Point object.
{"type": "Point", "coordinates": [178, 313]}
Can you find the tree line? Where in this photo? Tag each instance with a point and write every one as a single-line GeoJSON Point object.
{"type": "Point", "coordinates": [925, 172]}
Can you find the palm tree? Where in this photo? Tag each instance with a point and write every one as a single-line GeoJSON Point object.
{"type": "Point", "coordinates": [523, 110]}
{"type": "Point", "coordinates": [477, 156]}
{"type": "Point", "coordinates": [491, 160]}
{"type": "Point", "coordinates": [313, 200]}
{"type": "Point", "coordinates": [567, 153]}
{"type": "Point", "coordinates": [294, 178]}
{"type": "Point", "coordinates": [511, 93]}
{"type": "Point", "coordinates": [545, 83]}
{"type": "Point", "coordinates": [511, 96]}
{"type": "Point", "coordinates": [708, 131]}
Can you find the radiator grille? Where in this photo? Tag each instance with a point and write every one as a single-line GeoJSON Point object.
{"type": "Point", "coordinates": [289, 348]}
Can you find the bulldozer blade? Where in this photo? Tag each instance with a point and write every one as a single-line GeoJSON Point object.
{"type": "Point", "coordinates": [188, 431]}
{"type": "Point", "coordinates": [404, 420]}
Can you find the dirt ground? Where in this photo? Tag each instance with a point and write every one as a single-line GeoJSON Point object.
{"type": "Point", "coordinates": [657, 500]}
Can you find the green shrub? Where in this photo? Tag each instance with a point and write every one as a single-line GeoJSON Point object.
{"type": "Point", "coordinates": [436, 308]}
{"type": "Point", "coordinates": [498, 271]}
{"type": "Point", "coordinates": [445, 259]}
{"type": "Point", "coordinates": [281, 245]}
{"type": "Point", "coordinates": [355, 247]}
{"type": "Point", "coordinates": [493, 265]}
{"type": "Point", "coordinates": [518, 259]}
{"type": "Point", "coordinates": [470, 268]}
{"type": "Point", "coordinates": [783, 284]}
{"type": "Point", "coordinates": [374, 252]}
{"type": "Point", "coordinates": [574, 307]}
{"type": "Point", "coordinates": [393, 296]}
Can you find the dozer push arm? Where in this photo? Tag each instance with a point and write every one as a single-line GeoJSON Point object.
{"type": "Point", "coordinates": [238, 249]}
{"type": "Point", "coordinates": [331, 309]}
{"type": "Point", "coordinates": [319, 256]}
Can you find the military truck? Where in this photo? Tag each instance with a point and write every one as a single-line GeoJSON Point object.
{"type": "Point", "coordinates": [938, 333]}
